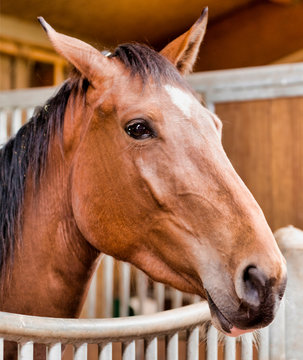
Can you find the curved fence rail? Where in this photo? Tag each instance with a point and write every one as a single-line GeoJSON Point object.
{"type": "Point", "coordinates": [170, 325]}
{"type": "Point", "coordinates": [26, 330]}
{"type": "Point", "coordinates": [74, 331]}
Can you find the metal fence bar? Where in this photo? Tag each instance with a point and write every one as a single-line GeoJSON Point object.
{"type": "Point", "coordinates": [212, 344]}
{"type": "Point", "coordinates": [3, 126]}
{"type": "Point", "coordinates": [159, 290]}
{"type": "Point", "coordinates": [129, 350]}
{"type": "Point", "coordinates": [177, 297]}
{"type": "Point", "coordinates": [172, 351]}
{"type": "Point", "coordinates": [193, 344]}
{"type": "Point", "coordinates": [80, 352]}
{"type": "Point", "coordinates": [124, 291]}
{"type": "Point", "coordinates": [263, 350]}
{"type": "Point", "coordinates": [247, 346]}
{"type": "Point", "coordinates": [107, 293]}
{"type": "Point", "coordinates": [151, 349]}
{"type": "Point", "coordinates": [277, 348]}
{"type": "Point", "coordinates": [16, 120]}
{"type": "Point", "coordinates": [229, 348]}
{"type": "Point", "coordinates": [290, 241]}
{"type": "Point", "coordinates": [210, 104]}
{"type": "Point", "coordinates": [29, 112]}
{"type": "Point", "coordinates": [195, 299]}
{"type": "Point", "coordinates": [92, 297]}
{"type": "Point", "coordinates": [142, 283]}
{"type": "Point", "coordinates": [54, 351]}
{"type": "Point", "coordinates": [1, 348]}
{"type": "Point", "coordinates": [105, 351]}
{"type": "Point", "coordinates": [26, 351]}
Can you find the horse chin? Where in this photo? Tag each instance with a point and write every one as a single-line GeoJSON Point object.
{"type": "Point", "coordinates": [223, 324]}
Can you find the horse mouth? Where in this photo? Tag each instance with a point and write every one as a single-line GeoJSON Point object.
{"type": "Point", "coordinates": [225, 324]}
{"type": "Point", "coordinates": [221, 322]}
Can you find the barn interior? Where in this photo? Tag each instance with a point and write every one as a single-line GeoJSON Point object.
{"type": "Point", "coordinates": [246, 42]}
{"type": "Point", "coordinates": [241, 33]}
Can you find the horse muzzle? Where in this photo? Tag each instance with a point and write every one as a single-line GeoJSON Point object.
{"type": "Point", "coordinates": [258, 301]}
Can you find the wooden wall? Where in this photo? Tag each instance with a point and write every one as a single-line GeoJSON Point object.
{"type": "Point", "coordinates": [257, 35]}
{"type": "Point", "coordinates": [264, 140]}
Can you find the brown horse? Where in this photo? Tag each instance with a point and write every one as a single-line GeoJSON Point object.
{"type": "Point", "coordinates": [125, 161]}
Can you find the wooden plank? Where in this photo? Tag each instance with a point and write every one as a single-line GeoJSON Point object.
{"type": "Point", "coordinates": [6, 72]}
{"type": "Point", "coordinates": [30, 52]}
{"type": "Point", "coordinates": [22, 73]}
{"type": "Point", "coordinates": [296, 56]}
{"type": "Point", "coordinates": [23, 31]}
{"type": "Point", "coordinates": [59, 72]}
{"type": "Point", "coordinates": [284, 2]}
{"type": "Point", "coordinates": [263, 139]}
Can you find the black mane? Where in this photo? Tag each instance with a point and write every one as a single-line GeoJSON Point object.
{"type": "Point", "coordinates": [29, 148]}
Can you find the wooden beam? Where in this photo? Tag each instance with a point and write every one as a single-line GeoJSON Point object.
{"type": "Point", "coordinates": [58, 73]}
{"type": "Point", "coordinates": [297, 56]}
{"type": "Point", "coordinates": [22, 31]}
{"type": "Point", "coordinates": [29, 52]}
{"type": "Point", "coordinates": [19, 70]}
{"type": "Point", "coordinates": [254, 36]}
{"type": "Point", "coordinates": [6, 82]}
{"type": "Point", "coordinates": [284, 2]}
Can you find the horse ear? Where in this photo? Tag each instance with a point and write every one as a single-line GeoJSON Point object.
{"type": "Point", "coordinates": [183, 51]}
{"type": "Point", "coordinates": [88, 60]}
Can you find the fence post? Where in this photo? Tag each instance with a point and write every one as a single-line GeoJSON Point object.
{"type": "Point", "coordinates": [290, 241]}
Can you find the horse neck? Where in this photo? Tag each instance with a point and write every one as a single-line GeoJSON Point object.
{"type": "Point", "coordinates": [54, 263]}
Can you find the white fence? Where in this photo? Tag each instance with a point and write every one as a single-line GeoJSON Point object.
{"type": "Point", "coordinates": [281, 341]}
{"type": "Point", "coordinates": [140, 335]}
{"type": "Point", "coordinates": [81, 332]}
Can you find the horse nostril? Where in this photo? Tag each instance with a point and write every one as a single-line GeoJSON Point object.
{"type": "Point", "coordinates": [254, 286]}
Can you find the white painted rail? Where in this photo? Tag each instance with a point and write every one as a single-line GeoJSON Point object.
{"type": "Point", "coordinates": [26, 328]}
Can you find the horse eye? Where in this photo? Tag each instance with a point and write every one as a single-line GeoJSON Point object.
{"type": "Point", "coordinates": [139, 130]}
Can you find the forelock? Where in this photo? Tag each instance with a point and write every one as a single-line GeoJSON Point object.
{"type": "Point", "coordinates": [146, 63]}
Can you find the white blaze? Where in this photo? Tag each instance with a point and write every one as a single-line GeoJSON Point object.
{"type": "Point", "coordinates": [184, 101]}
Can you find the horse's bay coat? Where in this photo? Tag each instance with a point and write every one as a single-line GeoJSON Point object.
{"type": "Point", "coordinates": [140, 173]}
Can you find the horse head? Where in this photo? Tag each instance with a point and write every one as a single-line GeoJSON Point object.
{"type": "Point", "coordinates": [151, 184]}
